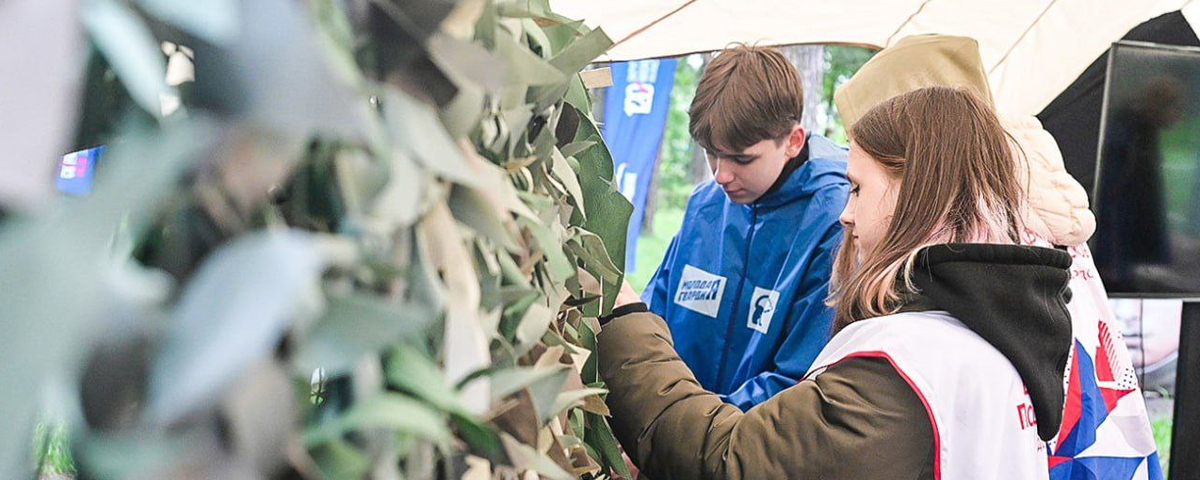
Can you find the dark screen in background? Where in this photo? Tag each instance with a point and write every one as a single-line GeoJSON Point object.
{"type": "Point", "coordinates": [1147, 195]}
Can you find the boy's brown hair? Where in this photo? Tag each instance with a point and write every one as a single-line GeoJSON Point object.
{"type": "Point", "coordinates": [746, 95]}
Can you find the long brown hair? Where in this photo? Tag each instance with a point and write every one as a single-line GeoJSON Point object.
{"type": "Point", "coordinates": [958, 183]}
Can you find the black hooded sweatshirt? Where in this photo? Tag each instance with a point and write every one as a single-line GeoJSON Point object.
{"type": "Point", "coordinates": [1015, 297]}
{"type": "Point", "coordinates": [859, 418]}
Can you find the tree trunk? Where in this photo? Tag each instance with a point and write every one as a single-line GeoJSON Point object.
{"type": "Point", "coordinates": [809, 61]}
{"type": "Point", "coordinates": [598, 104]}
{"type": "Point", "coordinates": [651, 196]}
{"type": "Point", "coordinates": [698, 168]}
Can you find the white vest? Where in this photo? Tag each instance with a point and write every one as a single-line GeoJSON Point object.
{"type": "Point", "coordinates": [982, 418]}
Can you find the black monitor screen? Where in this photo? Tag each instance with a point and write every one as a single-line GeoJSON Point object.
{"type": "Point", "coordinates": [1147, 194]}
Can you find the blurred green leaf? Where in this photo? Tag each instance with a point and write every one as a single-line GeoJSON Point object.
{"type": "Point", "coordinates": [419, 18]}
{"type": "Point", "coordinates": [280, 77]}
{"type": "Point", "coordinates": [517, 120]}
{"type": "Point", "coordinates": [337, 459]}
{"type": "Point", "coordinates": [526, 457]}
{"type": "Point", "coordinates": [562, 33]}
{"type": "Point", "coordinates": [131, 49]}
{"type": "Point", "coordinates": [590, 248]}
{"type": "Point", "coordinates": [576, 421]}
{"type": "Point", "coordinates": [523, 67]}
{"type": "Point", "coordinates": [582, 51]}
{"type": "Point", "coordinates": [387, 411]}
{"type": "Point", "coordinates": [512, 272]}
{"type": "Point", "coordinates": [538, 7]}
{"type": "Point", "coordinates": [472, 208]}
{"type": "Point", "coordinates": [570, 61]}
{"type": "Point", "coordinates": [517, 301]}
{"type": "Point", "coordinates": [575, 148]}
{"type": "Point", "coordinates": [573, 398]}
{"type": "Point", "coordinates": [599, 435]}
{"type": "Point", "coordinates": [577, 95]}
{"type": "Point", "coordinates": [418, 132]}
{"type": "Point", "coordinates": [610, 209]}
{"type": "Point", "coordinates": [45, 329]}
{"type": "Point", "coordinates": [534, 323]}
{"type": "Point", "coordinates": [544, 392]}
{"type": "Point", "coordinates": [467, 62]}
{"type": "Point", "coordinates": [399, 204]}
{"type": "Point", "coordinates": [483, 440]}
{"type": "Point", "coordinates": [560, 267]}
{"type": "Point", "coordinates": [214, 20]}
{"type": "Point", "coordinates": [539, 203]}
{"type": "Point", "coordinates": [333, 19]}
{"type": "Point", "coordinates": [537, 39]}
{"type": "Point", "coordinates": [466, 333]}
{"type": "Point", "coordinates": [130, 456]}
{"type": "Point", "coordinates": [231, 314]}
{"type": "Point", "coordinates": [261, 409]}
{"type": "Point", "coordinates": [359, 179]}
{"type": "Point", "coordinates": [505, 382]}
{"type": "Point", "coordinates": [587, 337]}
{"type": "Point", "coordinates": [408, 369]}
{"type": "Point", "coordinates": [355, 325]}
{"type": "Point", "coordinates": [463, 114]}
{"type": "Point", "coordinates": [563, 171]}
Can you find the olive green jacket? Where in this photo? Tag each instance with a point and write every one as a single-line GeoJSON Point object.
{"type": "Point", "coordinates": [857, 420]}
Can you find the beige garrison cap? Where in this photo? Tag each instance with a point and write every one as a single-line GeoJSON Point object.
{"type": "Point", "coordinates": [912, 63]}
{"type": "Point", "coordinates": [1057, 206]}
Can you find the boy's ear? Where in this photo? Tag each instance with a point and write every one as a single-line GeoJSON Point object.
{"type": "Point", "coordinates": [796, 140]}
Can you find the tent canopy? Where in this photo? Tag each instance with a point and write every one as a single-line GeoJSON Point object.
{"type": "Point", "coordinates": [1031, 49]}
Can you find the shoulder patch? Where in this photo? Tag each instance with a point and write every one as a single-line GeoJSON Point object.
{"type": "Point", "coordinates": [700, 291]}
{"type": "Point", "coordinates": [762, 309]}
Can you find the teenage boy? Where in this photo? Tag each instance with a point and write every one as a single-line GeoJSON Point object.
{"type": "Point", "coordinates": [742, 285]}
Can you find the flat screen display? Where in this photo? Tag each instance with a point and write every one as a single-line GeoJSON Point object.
{"type": "Point", "coordinates": [1147, 193]}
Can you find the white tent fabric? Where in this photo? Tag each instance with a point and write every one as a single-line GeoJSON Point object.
{"type": "Point", "coordinates": [1191, 12]}
{"type": "Point", "coordinates": [1032, 49]}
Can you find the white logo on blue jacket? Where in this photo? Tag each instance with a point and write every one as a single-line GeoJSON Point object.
{"type": "Point", "coordinates": [700, 291]}
{"type": "Point", "coordinates": [762, 309]}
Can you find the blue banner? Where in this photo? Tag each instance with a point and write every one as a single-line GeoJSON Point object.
{"type": "Point", "coordinates": [635, 115]}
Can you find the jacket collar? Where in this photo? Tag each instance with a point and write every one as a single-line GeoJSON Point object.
{"type": "Point", "coordinates": [805, 174]}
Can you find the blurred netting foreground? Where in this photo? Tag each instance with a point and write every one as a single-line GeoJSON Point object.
{"type": "Point", "coordinates": [329, 239]}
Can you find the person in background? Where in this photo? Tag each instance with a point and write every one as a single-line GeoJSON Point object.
{"type": "Point", "coordinates": [742, 284]}
{"type": "Point", "coordinates": [950, 337]}
{"type": "Point", "coordinates": [1105, 432]}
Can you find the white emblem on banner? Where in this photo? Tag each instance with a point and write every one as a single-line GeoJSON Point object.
{"type": "Point", "coordinates": [700, 291]}
{"type": "Point", "coordinates": [639, 89]}
{"type": "Point", "coordinates": [762, 309]}
{"type": "Point", "coordinates": [639, 98]}
{"type": "Point", "coordinates": [626, 181]}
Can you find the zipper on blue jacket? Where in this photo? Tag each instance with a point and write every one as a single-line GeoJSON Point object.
{"type": "Point", "coordinates": [737, 298]}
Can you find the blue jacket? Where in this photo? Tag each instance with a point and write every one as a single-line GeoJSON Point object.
{"type": "Point", "coordinates": [742, 287]}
